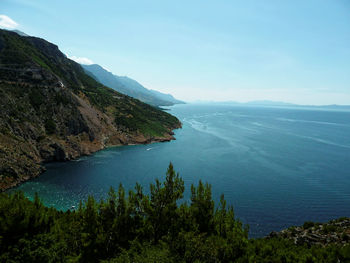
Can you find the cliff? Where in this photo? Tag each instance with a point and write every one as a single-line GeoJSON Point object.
{"type": "Point", "coordinates": [52, 111]}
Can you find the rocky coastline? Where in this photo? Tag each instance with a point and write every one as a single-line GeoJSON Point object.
{"type": "Point", "coordinates": [334, 232]}
{"type": "Point", "coordinates": [61, 152]}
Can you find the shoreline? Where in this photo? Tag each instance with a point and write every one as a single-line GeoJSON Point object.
{"type": "Point", "coordinates": [166, 138]}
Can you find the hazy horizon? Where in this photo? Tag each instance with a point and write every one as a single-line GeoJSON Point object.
{"type": "Point", "coordinates": [295, 52]}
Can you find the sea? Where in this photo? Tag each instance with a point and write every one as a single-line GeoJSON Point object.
{"type": "Point", "coordinates": [277, 166]}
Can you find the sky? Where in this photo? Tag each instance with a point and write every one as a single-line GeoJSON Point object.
{"type": "Point", "coordinates": [293, 51]}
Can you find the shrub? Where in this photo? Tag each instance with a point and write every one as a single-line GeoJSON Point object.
{"type": "Point", "coordinates": [50, 126]}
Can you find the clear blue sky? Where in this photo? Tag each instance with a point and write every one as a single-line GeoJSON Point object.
{"type": "Point", "coordinates": [294, 51]}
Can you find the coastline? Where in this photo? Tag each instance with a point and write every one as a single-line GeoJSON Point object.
{"type": "Point", "coordinates": [7, 183]}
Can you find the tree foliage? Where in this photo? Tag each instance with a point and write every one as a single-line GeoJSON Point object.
{"type": "Point", "coordinates": [135, 227]}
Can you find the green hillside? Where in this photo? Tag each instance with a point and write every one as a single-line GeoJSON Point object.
{"type": "Point", "coordinates": [52, 111]}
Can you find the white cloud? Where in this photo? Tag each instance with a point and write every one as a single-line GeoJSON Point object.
{"type": "Point", "coordinates": [8, 23]}
{"type": "Point", "coordinates": [81, 60]}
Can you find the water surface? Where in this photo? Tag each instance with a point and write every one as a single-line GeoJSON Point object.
{"type": "Point", "coordinates": [277, 166]}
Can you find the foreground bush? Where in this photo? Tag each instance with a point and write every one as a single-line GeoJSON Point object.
{"type": "Point", "coordinates": [136, 227]}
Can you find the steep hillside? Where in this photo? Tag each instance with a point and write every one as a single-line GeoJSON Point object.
{"type": "Point", "coordinates": [52, 111]}
{"type": "Point", "coordinates": [167, 97]}
{"type": "Point", "coordinates": [130, 87]}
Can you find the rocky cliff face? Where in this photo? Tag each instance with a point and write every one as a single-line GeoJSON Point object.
{"type": "Point", "coordinates": [52, 111]}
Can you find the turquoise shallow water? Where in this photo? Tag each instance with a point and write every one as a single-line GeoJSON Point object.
{"type": "Point", "coordinates": [277, 166]}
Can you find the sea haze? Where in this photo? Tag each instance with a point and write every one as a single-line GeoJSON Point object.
{"type": "Point", "coordinates": [277, 166]}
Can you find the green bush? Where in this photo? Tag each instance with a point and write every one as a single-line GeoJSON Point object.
{"type": "Point", "coordinates": [137, 227]}
{"type": "Point", "coordinates": [50, 126]}
{"type": "Point", "coordinates": [308, 224]}
{"type": "Point", "coordinates": [36, 98]}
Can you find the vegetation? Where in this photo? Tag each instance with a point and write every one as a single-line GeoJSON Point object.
{"type": "Point", "coordinates": [50, 126]}
{"type": "Point", "coordinates": [52, 111]}
{"type": "Point", "coordinates": [136, 227]}
{"type": "Point", "coordinates": [37, 62]}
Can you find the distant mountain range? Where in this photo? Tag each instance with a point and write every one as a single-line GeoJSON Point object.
{"type": "Point", "coordinates": [270, 103]}
{"type": "Point", "coordinates": [129, 87]}
{"type": "Point", "coordinates": [286, 104]}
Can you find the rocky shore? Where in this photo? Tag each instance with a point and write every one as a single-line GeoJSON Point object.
{"type": "Point", "coordinates": [24, 160]}
{"type": "Point", "coordinates": [322, 234]}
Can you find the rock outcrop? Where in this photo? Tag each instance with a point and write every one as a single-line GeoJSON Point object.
{"type": "Point", "coordinates": [323, 234]}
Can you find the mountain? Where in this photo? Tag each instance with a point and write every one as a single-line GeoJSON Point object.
{"type": "Point", "coordinates": [268, 103]}
{"type": "Point", "coordinates": [129, 87]}
{"type": "Point", "coordinates": [20, 33]}
{"type": "Point", "coordinates": [166, 97]}
{"type": "Point", "coordinates": [52, 111]}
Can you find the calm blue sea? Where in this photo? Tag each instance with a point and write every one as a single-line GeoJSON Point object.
{"type": "Point", "coordinates": [277, 166]}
